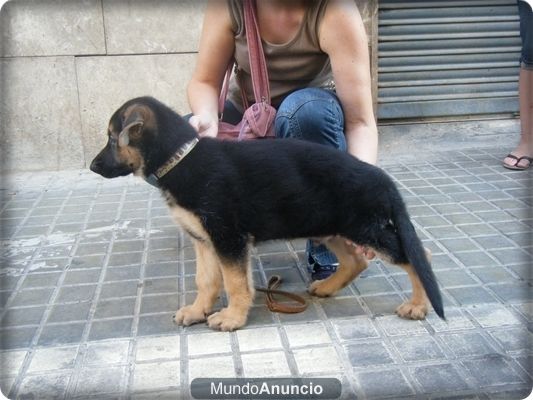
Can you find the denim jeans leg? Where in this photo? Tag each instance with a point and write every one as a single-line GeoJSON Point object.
{"type": "Point", "coordinates": [314, 115]}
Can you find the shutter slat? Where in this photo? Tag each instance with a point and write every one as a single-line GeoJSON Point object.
{"type": "Point", "coordinates": [464, 53]}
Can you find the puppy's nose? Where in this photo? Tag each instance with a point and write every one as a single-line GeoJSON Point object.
{"type": "Point", "coordinates": [96, 165]}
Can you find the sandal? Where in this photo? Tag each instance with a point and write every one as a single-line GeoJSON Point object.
{"type": "Point", "coordinates": [515, 166]}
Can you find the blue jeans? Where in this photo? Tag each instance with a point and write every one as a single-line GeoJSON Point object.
{"type": "Point", "coordinates": [311, 114]}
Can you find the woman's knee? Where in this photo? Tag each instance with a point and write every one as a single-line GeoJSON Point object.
{"type": "Point", "coordinates": [312, 114]}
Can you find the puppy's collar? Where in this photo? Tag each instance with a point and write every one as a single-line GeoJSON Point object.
{"type": "Point", "coordinates": [179, 155]}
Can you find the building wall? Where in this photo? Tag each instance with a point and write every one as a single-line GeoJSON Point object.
{"type": "Point", "coordinates": [66, 66]}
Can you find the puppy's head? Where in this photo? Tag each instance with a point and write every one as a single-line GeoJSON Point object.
{"type": "Point", "coordinates": [129, 132]}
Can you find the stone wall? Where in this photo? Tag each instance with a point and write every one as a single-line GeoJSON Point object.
{"type": "Point", "coordinates": [67, 65]}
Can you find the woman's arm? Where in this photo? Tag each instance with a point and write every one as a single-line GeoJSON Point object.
{"type": "Point", "coordinates": [342, 36]}
{"type": "Point", "coordinates": [216, 48]}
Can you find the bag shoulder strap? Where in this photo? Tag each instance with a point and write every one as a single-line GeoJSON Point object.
{"type": "Point", "coordinates": [256, 57]}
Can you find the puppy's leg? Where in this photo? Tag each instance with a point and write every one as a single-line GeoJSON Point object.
{"type": "Point", "coordinates": [350, 266]}
{"type": "Point", "coordinates": [240, 290]}
{"type": "Point", "coordinates": [417, 306]}
{"type": "Point", "coordinates": [208, 282]}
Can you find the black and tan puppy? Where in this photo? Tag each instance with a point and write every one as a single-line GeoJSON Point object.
{"type": "Point", "coordinates": [228, 195]}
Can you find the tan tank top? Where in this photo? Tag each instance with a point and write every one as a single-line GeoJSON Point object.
{"type": "Point", "coordinates": [296, 64]}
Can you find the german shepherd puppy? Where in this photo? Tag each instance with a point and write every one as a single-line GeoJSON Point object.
{"type": "Point", "coordinates": [228, 195]}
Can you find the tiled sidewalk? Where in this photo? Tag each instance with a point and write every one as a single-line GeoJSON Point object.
{"type": "Point", "coordinates": [92, 271]}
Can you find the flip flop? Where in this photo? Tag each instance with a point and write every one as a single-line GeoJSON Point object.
{"type": "Point", "coordinates": [515, 166]}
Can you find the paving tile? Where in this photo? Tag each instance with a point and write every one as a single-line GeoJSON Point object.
{"type": "Point", "coordinates": [493, 315]}
{"type": "Point", "coordinates": [460, 244]}
{"type": "Point", "coordinates": [82, 276]}
{"type": "Point", "coordinates": [476, 259]}
{"type": "Point", "coordinates": [383, 304]}
{"type": "Point", "coordinates": [107, 329]}
{"type": "Point", "coordinates": [510, 256]}
{"type": "Point", "coordinates": [396, 326]}
{"type": "Point", "coordinates": [513, 292]}
{"type": "Point", "coordinates": [156, 324]}
{"type": "Point", "coordinates": [265, 365]}
{"type": "Point", "coordinates": [467, 344]}
{"type": "Point", "coordinates": [122, 273]}
{"type": "Point", "coordinates": [23, 316]}
{"type": "Point", "coordinates": [418, 348]}
{"type": "Point", "coordinates": [91, 261]}
{"type": "Point", "coordinates": [492, 274]}
{"type": "Point", "coordinates": [472, 295]}
{"type": "Point", "coordinates": [153, 376]}
{"type": "Point", "coordinates": [455, 320]}
{"type": "Point", "coordinates": [208, 343]}
{"type": "Point", "coordinates": [259, 339]}
{"type": "Point", "coordinates": [356, 328]}
{"type": "Point", "coordinates": [513, 339]}
{"type": "Point", "coordinates": [32, 297]}
{"type": "Point", "coordinates": [161, 269]}
{"type": "Point", "coordinates": [61, 334]}
{"type": "Point", "coordinates": [306, 360]}
{"type": "Point", "coordinates": [11, 362]}
{"type": "Point", "coordinates": [47, 386]}
{"type": "Point", "coordinates": [98, 381]}
{"type": "Point", "coordinates": [119, 289]}
{"type": "Point", "coordinates": [491, 371]}
{"type": "Point", "coordinates": [48, 279]}
{"type": "Point", "coordinates": [101, 354]}
{"type": "Point", "coordinates": [114, 308]}
{"type": "Point", "coordinates": [366, 354]}
{"type": "Point", "coordinates": [160, 303]}
{"type": "Point", "coordinates": [341, 307]}
{"type": "Point", "coordinates": [14, 338]}
{"type": "Point", "coordinates": [158, 348]}
{"type": "Point", "coordinates": [76, 293]}
{"type": "Point", "coordinates": [260, 316]}
{"type": "Point", "coordinates": [440, 378]}
{"type": "Point", "coordinates": [373, 285]}
{"type": "Point", "coordinates": [387, 383]}
{"type": "Point", "coordinates": [220, 367]}
{"type": "Point", "coordinates": [454, 278]}
{"type": "Point", "coordinates": [307, 334]}
{"type": "Point", "coordinates": [54, 358]}
{"type": "Point", "coordinates": [69, 312]}
{"type": "Point", "coordinates": [160, 285]}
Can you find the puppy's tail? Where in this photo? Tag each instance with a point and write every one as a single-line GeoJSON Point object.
{"type": "Point", "coordinates": [416, 255]}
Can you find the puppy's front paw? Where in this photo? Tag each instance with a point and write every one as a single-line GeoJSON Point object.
{"type": "Point", "coordinates": [322, 288]}
{"type": "Point", "coordinates": [189, 315]}
{"type": "Point", "coordinates": [226, 320]}
{"type": "Point", "coordinates": [410, 310]}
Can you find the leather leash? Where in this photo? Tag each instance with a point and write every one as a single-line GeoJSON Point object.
{"type": "Point", "coordinates": [275, 306]}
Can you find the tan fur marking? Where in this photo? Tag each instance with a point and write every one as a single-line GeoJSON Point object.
{"type": "Point", "coordinates": [208, 282]}
{"type": "Point", "coordinates": [239, 287]}
{"type": "Point", "coordinates": [188, 221]}
{"type": "Point", "coordinates": [417, 306]}
{"type": "Point", "coordinates": [130, 156]}
{"type": "Point", "coordinates": [350, 266]}
{"type": "Point", "coordinates": [145, 112]}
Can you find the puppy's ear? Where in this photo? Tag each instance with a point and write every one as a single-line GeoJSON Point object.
{"type": "Point", "coordinates": [132, 126]}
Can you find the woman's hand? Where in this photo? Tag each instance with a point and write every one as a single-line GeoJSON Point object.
{"type": "Point", "coordinates": [205, 125]}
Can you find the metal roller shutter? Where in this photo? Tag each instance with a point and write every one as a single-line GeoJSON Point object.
{"type": "Point", "coordinates": [447, 58]}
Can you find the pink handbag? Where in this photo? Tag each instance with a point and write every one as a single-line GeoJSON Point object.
{"type": "Point", "coordinates": [258, 119]}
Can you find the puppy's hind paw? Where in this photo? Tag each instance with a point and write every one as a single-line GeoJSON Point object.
{"type": "Point", "coordinates": [189, 315]}
{"type": "Point", "coordinates": [410, 310]}
{"type": "Point", "coordinates": [321, 288]}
